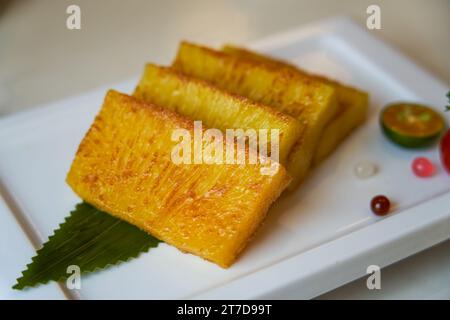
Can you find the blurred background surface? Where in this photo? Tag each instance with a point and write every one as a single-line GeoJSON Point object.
{"type": "Point", "coordinates": [42, 61]}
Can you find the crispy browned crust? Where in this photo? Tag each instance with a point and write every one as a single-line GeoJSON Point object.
{"type": "Point", "coordinates": [199, 100]}
{"type": "Point", "coordinates": [123, 167]}
{"type": "Point", "coordinates": [277, 63]}
{"type": "Point", "coordinates": [352, 102]}
{"type": "Point", "coordinates": [207, 86]}
{"type": "Point", "coordinates": [310, 101]}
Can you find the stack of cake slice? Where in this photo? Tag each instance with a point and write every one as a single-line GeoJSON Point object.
{"type": "Point", "coordinates": [125, 163]}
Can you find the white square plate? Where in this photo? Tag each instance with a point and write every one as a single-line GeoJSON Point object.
{"type": "Point", "coordinates": [314, 240]}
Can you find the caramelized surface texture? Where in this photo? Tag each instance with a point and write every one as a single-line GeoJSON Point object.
{"type": "Point", "coordinates": [352, 103]}
{"type": "Point", "coordinates": [310, 101]}
{"type": "Point", "coordinates": [123, 166]}
{"type": "Point", "coordinates": [198, 100]}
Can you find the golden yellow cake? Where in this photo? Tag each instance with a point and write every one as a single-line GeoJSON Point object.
{"type": "Point", "coordinates": [199, 100]}
{"type": "Point", "coordinates": [310, 101]}
{"type": "Point", "coordinates": [352, 103]}
{"type": "Point", "coordinates": [124, 166]}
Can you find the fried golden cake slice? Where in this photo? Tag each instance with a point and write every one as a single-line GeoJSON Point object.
{"type": "Point", "coordinates": [353, 112]}
{"type": "Point", "coordinates": [352, 103]}
{"type": "Point", "coordinates": [312, 102]}
{"type": "Point", "coordinates": [199, 100]}
{"type": "Point", "coordinates": [124, 166]}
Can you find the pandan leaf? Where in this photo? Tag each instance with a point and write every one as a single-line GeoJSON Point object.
{"type": "Point", "coordinates": [90, 239]}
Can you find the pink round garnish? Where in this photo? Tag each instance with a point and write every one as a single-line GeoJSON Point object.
{"type": "Point", "coordinates": [423, 167]}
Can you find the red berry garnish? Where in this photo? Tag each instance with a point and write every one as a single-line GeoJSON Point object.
{"type": "Point", "coordinates": [422, 167]}
{"type": "Point", "coordinates": [380, 205]}
{"type": "Point", "coordinates": [445, 151]}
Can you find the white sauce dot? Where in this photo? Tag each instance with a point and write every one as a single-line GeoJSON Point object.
{"type": "Point", "coordinates": [365, 169]}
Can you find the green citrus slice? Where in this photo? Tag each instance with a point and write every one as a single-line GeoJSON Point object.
{"type": "Point", "coordinates": [411, 125]}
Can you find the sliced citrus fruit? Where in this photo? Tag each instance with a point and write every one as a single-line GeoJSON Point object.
{"type": "Point", "coordinates": [411, 125]}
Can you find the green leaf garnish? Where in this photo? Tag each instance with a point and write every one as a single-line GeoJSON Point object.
{"type": "Point", "coordinates": [90, 239]}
